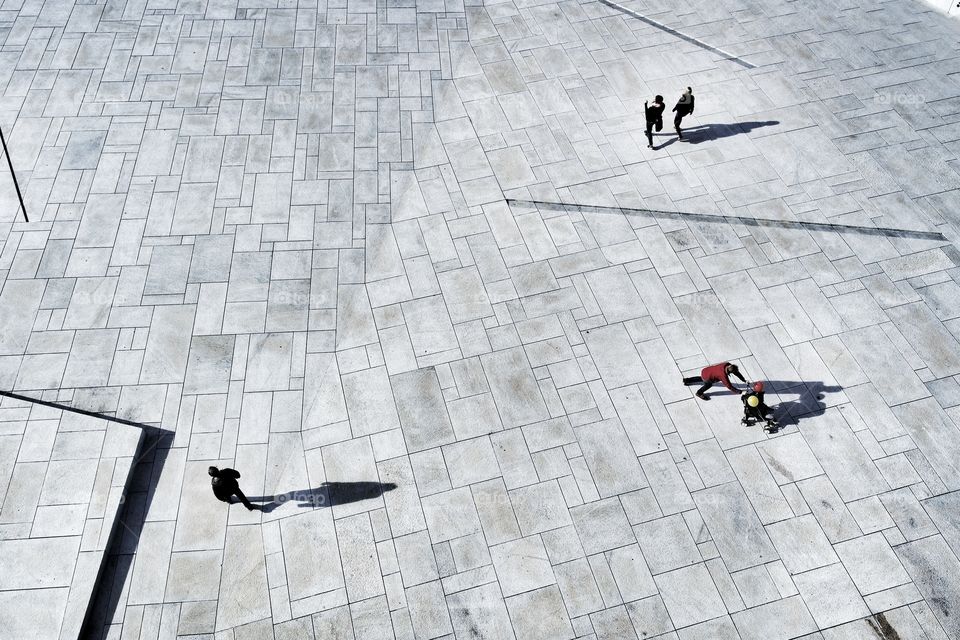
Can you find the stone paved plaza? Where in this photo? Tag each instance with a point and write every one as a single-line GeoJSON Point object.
{"type": "Point", "coordinates": [334, 245]}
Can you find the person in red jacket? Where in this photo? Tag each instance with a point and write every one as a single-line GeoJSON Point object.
{"type": "Point", "coordinates": [713, 374]}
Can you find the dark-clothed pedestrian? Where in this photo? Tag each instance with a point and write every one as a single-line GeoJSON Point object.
{"type": "Point", "coordinates": [654, 116]}
{"type": "Point", "coordinates": [683, 108]}
{"type": "Point", "coordinates": [713, 374]}
{"type": "Point", "coordinates": [754, 408]}
{"type": "Point", "coordinates": [225, 486]}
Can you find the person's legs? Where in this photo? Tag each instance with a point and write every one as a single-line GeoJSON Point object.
{"type": "Point", "coordinates": [650, 134]}
{"type": "Point", "coordinates": [676, 124]}
{"type": "Point", "coordinates": [692, 380]}
{"type": "Point", "coordinates": [703, 389]}
{"type": "Point", "coordinates": [244, 500]}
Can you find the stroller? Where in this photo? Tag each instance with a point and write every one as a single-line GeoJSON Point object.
{"type": "Point", "coordinates": [755, 409]}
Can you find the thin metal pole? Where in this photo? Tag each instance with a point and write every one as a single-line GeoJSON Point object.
{"type": "Point", "coordinates": [15, 183]}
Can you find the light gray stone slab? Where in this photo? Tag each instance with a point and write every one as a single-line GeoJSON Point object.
{"type": "Point", "coordinates": [781, 619]}
{"type": "Point", "coordinates": [759, 485]}
{"type": "Point", "coordinates": [480, 610]}
{"type": "Point", "coordinates": [668, 486]}
{"type": "Point", "coordinates": [323, 400]}
{"type": "Point", "coordinates": [165, 359]}
{"type": "Point", "coordinates": [876, 355]}
{"type": "Point", "coordinates": [355, 325]}
{"type": "Point", "coordinates": [637, 421]}
{"type": "Point", "coordinates": [243, 587]}
{"type": "Point", "coordinates": [37, 613]}
{"type": "Point", "coordinates": [789, 458]}
{"type": "Point", "coordinates": [209, 364]}
{"type": "Point", "coordinates": [842, 456]}
{"type": "Point", "coordinates": [874, 411]}
{"type": "Point", "coordinates": [656, 298]}
{"type": "Point", "coordinates": [801, 544]}
{"type": "Point", "coordinates": [831, 596]}
{"type": "Point", "coordinates": [428, 322]}
{"type": "Point", "coordinates": [610, 457]}
{"type": "Point", "coordinates": [540, 615]}
{"type": "Point", "coordinates": [370, 401]}
{"type": "Point", "coordinates": [578, 587]}
{"type": "Point", "coordinates": [522, 565]}
{"type": "Point", "coordinates": [718, 337]}
{"type": "Point", "coordinates": [312, 551]}
{"type": "Point", "coordinates": [470, 461]}
{"type": "Point", "coordinates": [929, 337]}
{"type": "Point", "coordinates": [361, 569]}
{"type": "Point", "coordinates": [615, 356]}
{"type": "Point", "coordinates": [747, 307]}
{"type": "Point", "coordinates": [835, 518]}
{"type": "Point", "coordinates": [690, 595]}
{"type": "Point", "coordinates": [149, 578]}
{"type": "Point", "coordinates": [667, 544]}
{"type": "Point", "coordinates": [616, 295]}
{"type": "Point", "coordinates": [193, 576]}
{"type": "Point", "coordinates": [450, 514]}
{"type": "Point", "coordinates": [494, 508]}
{"type": "Point", "coordinates": [423, 415]}
{"type": "Point", "coordinates": [936, 435]}
{"type": "Point", "coordinates": [871, 563]}
{"type": "Point", "coordinates": [540, 507]}
{"type": "Point", "coordinates": [514, 387]}
{"type": "Point", "coordinates": [19, 302]}
{"type": "Point", "coordinates": [736, 530]}
{"type": "Point", "coordinates": [631, 573]}
{"type": "Point", "coordinates": [602, 525]}
{"type": "Point", "coordinates": [946, 516]}
{"type": "Point", "coordinates": [37, 563]}
{"type": "Point", "coordinates": [428, 610]}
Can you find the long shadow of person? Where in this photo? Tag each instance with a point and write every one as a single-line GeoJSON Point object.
{"type": "Point", "coordinates": [328, 494]}
{"type": "Point", "coordinates": [704, 132]}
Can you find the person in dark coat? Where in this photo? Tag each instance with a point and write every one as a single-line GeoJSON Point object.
{"type": "Point", "coordinates": [754, 407]}
{"type": "Point", "coordinates": [683, 108]}
{"type": "Point", "coordinates": [713, 374]}
{"type": "Point", "coordinates": [654, 115]}
{"type": "Point", "coordinates": [224, 483]}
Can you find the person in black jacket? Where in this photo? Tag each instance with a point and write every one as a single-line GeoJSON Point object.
{"type": "Point", "coordinates": [684, 107]}
{"type": "Point", "coordinates": [654, 115]}
{"type": "Point", "coordinates": [224, 483]}
{"type": "Point", "coordinates": [754, 407]}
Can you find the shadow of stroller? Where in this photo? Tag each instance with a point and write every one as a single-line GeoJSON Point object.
{"type": "Point", "coordinates": [809, 402]}
{"type": "Point", "coordinates": [328, 494]}
{"type": "Point", "coordinates": [704, 132]}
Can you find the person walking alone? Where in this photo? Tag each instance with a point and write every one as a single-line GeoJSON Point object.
{"type": "Point", "coordinates": [713, 374]}
{"type": "Point", "coordinates": [224, 483]}
{"type": "Point", "coordinates": [654, 116]}
{"type": "Point", "coordinates": [683, 108]}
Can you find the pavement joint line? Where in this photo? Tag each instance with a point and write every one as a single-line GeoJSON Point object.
{"type": "Point", "coordinates": [679, 34]}
{"type": "Point", "coordinates": [752, 222]}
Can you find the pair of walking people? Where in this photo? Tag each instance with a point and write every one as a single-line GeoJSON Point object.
{"type": "Point", "coordinates": [654, 114]}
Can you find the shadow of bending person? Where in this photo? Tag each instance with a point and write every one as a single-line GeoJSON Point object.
{"type": "Point", "coordinates": [328, 494]}
{"type": "Point", "coordinates": [809, 403]}
{"type": "Point", "coordinates": [704, 132]}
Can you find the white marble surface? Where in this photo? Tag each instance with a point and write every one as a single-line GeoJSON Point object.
{"type": "Point", "coordinates": [281, 231]}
